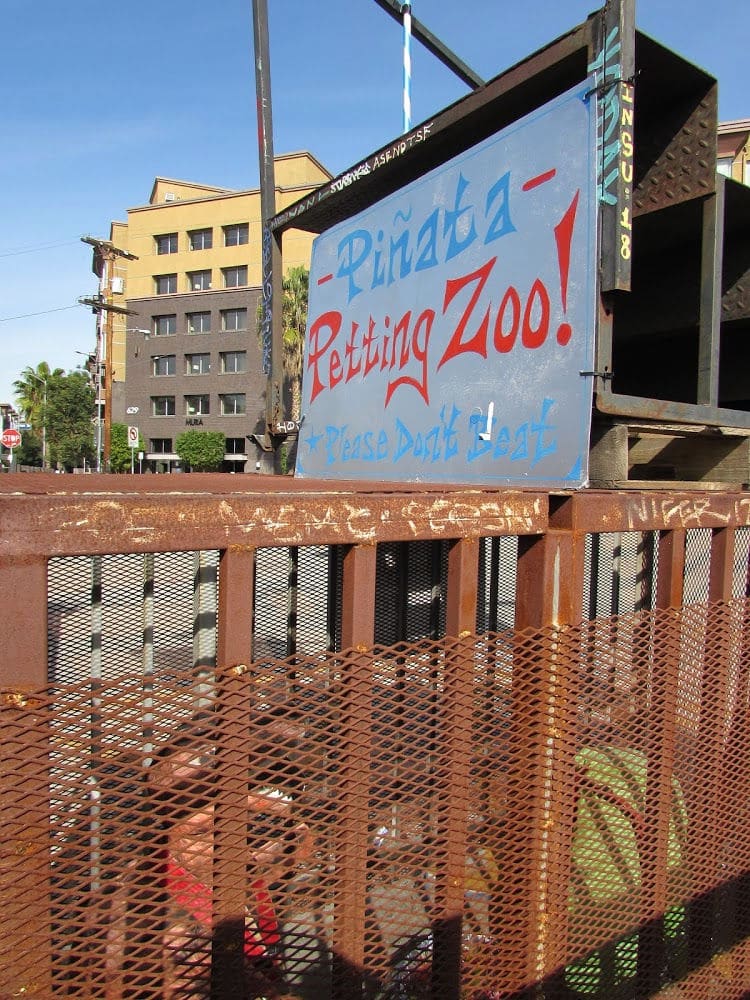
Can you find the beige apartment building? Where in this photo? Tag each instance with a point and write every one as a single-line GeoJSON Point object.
{"type": "Point", "coordinates": [733, 149]}
{"type": "Point", "coordinates": [187, 354]}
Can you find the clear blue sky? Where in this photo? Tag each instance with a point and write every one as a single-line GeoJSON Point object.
{"type": "Point", "coordinates": [98, 100]}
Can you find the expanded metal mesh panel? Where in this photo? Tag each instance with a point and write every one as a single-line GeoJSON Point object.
{"type": "Point", "coordinates": [620, 573]}
{"type": "Point", "coordinates": [119, 616]}
{"type": "Point", "coordinates": [410, 591]}
{"type": "Point", "coordinates": [496, 593]}
{"type": "Point", "coordinates": [741, 567]}
{"type": "Point", "coordinates": [697, 565]}
{"type": "Point", "coordinates": [442, 818]}
{"type": "Point", "coordinates": [293, 610]}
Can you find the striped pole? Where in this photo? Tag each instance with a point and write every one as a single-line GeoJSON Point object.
{"type": "Point", "coordinates": [406, 12]}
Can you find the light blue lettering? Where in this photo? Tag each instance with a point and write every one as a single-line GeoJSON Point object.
{"type": "Point", "coordinates": [522, 443]}
{"type": "Point", "coordinates": [502, 445]}
{"type": "Point", "coordinates": [501, 223]}
{"type": "Point", "coordinates": [400, 246]}
{"type": "Point", "coordinates": [404, 442]}
{"type": "Point", "coordinates": [332, 436]}
{"type": "Point", "coordinates": [354, 249]}
{"type": "Point", "coordinates": [452, 218]}
{"type": "Point", "coordinates": [539, 430]}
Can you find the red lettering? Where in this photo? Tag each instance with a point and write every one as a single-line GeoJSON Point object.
{"type": "Point", "coordinates": [401, 332]}
{"type": "Point", "coordinates": [351, 368]}
{"type": "Point", "coordinates": [335, 373]}
{"type": "Point", "coordinates": [420, 352]}
{"type": "Point", "coordinates": [371, 359]}
{"type": "Point", "coordinates": [504, 341]}
{"type": "Point", "coordinates": [532, 337]}
{"type": "Point", "coordinates": [478, 342]}
{"type": "Point", "coordinates": [328, 320]}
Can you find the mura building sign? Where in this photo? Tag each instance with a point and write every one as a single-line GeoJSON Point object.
{"type": "Point", "coordinates": [450, 333]}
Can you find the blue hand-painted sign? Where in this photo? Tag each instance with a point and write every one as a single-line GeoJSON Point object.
{"type": "Point", "coordinates": [449, 325]}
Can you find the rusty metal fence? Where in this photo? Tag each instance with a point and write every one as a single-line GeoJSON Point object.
{"type": "Point", "coordinates": [281, 741]}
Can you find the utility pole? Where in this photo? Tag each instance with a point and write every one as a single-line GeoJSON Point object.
{"type": "Point", "coordinates": [105, 253]}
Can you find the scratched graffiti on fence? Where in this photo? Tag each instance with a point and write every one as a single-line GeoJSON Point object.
{"type": "Point", "coordinates": [451, 326]}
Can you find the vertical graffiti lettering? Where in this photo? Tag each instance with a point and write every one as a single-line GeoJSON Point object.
{"type": "Point", "coordinates": [606, 70]}
{"type": "Point", "coordinates": [266, 324]}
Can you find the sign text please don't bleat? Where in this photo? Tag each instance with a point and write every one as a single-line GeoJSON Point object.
{"type": "Point", "coordinates": [449, 324]}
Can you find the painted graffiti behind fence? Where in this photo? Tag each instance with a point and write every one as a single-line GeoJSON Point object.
{"type": "Point", "coordinates": [450, 326]}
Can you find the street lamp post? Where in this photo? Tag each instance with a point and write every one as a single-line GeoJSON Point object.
{"type": "Point", "coordinates": [94, 381]}
{"type": "Point", "coordinates": [44, 415]}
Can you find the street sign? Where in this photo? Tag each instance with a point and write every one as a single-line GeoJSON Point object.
{"type": "Point", "coordinates": [133, 437]}
{"type": "Point", "coordinates": [11, 438]}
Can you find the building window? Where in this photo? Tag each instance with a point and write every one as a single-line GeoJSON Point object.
{"type": "Point", "coordinates": [167, 243]}
{"type": "Point", "coordinates": [199, 322]}
{"type": "Point", "coordinates": [196, 406]}
{"type": "Point", "coordinates": [724, 165]}
{"type": "Point", "coordinates": [236, 446]}
{"type": "Point", "coordinates": [160, 446]}
{"type": "Point", "coordinates": [232, 403]}
{"type": "Point", "coordinates": [234, 319]}
{"type": "Point", "coordinates": [163, 364]}
{"type": "Point", "coordinates": [201, 239]}
{"type": "Point", "coordinates": [165, 284]}
{"type": "Point", "coordinates": [233, 362]}
{"type": "Point", "coordinates": [747, 172]}
{"type": "Point", "coordinates": [235, 277]}
{"type": "Point", "coordinates": [165, 326]}
{"type": "Point", "coordinates": [162, 406]}
{"type": "Point", "coordinates": [197, 364]}
{"type": "Point", "coordinates": [199, 281]}
{"type": "Point", "coordinates": [235, 235]}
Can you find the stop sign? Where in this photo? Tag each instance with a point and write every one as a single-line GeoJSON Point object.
{"type": "Point", "coordinates": [11, 438]}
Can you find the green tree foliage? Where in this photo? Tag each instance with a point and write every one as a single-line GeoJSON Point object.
{"type": "Point", "coordinates": [30, 451]}
{"type": "Point", "coordinates": [120, 457]}
{"type": "Point", "coordinates": [294, 324]}
{"type": "Point", "coordinates": [33, 389]}
{"type": "Point", "coordinates": [201, 451]}
{"type": "Point", "coordinates": [62, 405]}
{"type": "Point", "coordinates": [70, 431]}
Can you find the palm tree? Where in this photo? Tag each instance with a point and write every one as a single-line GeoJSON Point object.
{"type": "Point", "coordinates": [31, 390]}
{"type": "Point", "coordinates": [294, 322]}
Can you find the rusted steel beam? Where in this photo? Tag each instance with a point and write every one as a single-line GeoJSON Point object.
{"type": "Point", "coordinates": [549, 580]}
{"type": "Point", "coordinates": [661, 752]}
{"type": "Point", "coordinates": [82, 523]}
{"type": "Point", "coordinates": [633, 510]}
{"type": "Point", "coordinates": [454, 764]}
{"type": "Point", "coordinates": [231, 891]}
{"type": "Point", "coordinates": [26, 945]}
{"type": "Point", "coordinates": [721, 575]}
{"type": "Point", "coordinates": [350, 889]}
{"type": "Point", "coordinates": [714, 797]}
{"type": "Point", "coordinates": [670, 582]}
{"type": "Point", "coordinates": [541, 808]}
{"type": "Point", "coordinates": [358, 597]}
{"type": "Point", "coordinates": [461, 596]}
{"type": "Point", "coordinates": [234, 643]}
{"type": "Point", "coordinates": [24, 583]}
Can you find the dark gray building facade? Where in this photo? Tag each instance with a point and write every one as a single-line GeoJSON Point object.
{"type": "Point", "coordinates": [198, 367]}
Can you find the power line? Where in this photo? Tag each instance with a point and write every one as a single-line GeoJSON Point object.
{"type": "Point", "coordinates": [44, 312]}
{"type": "Point", "coordinates": [35, 249]}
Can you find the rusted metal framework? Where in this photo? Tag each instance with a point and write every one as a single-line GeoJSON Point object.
{"type": "Point", "coordinates": [284, 739]}
{"type": "Point", "coordinates": [669, 351]}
